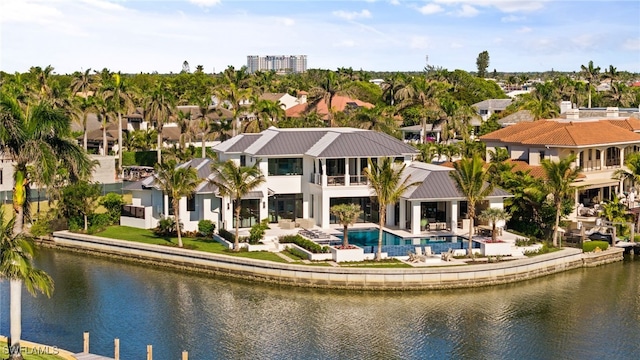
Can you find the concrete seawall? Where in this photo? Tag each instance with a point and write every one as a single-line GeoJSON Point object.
{"type": "Point", "coordinates": [337, 277]}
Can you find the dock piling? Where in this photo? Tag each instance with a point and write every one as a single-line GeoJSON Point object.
{"type": "Point", "coordinates": [149, 352]}
{"type": "Point", "coordinates": [116, 350]}
{"type": "Point", "coordinates": [85, 345]}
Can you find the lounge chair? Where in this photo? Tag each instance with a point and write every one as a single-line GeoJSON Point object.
{"type": "Point", "coordinates": [447, 256]}
{"type": "Point", "coordinates": [427, 251]}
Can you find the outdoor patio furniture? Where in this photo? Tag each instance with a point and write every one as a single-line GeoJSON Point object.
{"type": "Point", "coordinates": [427, 251]}
{"type": "Point", "coordinates": [447, 256]}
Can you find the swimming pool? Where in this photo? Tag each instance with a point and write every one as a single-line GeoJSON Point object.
{"type": "Point", "coordinates": [394, 245]}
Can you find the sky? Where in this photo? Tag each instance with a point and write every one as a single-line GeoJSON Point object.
{"type": "Point", "coordinates": [134, 36]}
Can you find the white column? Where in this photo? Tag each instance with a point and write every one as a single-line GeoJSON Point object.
{"type": "Point", "coordinates": [391, 211]}
{"type": "Point", "coordinates": [453, 210]}
{"type": "Point", "coordinates": [403, 214]}
{"type": "Point", "coordinates": [323, 165]}
{"type": "Point", "coordinates": [415, 217]}
{"type": "Point", "coordinates": [324, 211]}
{"type": "Point", "coordinates": [347, 178]}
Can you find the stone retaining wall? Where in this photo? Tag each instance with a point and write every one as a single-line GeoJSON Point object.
{"type": "Point", "coordinates": [337, 277]}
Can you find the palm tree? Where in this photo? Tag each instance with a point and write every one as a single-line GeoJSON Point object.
{"type": "Point", "coordinates": [266, 113]}
{"type": "Point", "coordinates": [43, 137]}
{"type": "Point", "coordinates": [632, 162]}
{"type": "Point", "coordinates": [559, 177]}
{"type": "Point", "coordinates": [494, 215]}
{"type": "Point", "coordinates": [16, 254]}
{"type": "Point", "coordinates": [592, 74]}
{"type": "Point", "coordinates": [423, 95]}
{"type": "Point", "coordinates": [236, 181]}
{"type": "Point", "coordinates": [391, 86]}
{"type": "Point", "coordinates": [176, 182]}
{"type": "Point", "coordinates": [118, 95]}
{"type": "Point", "coordinates": [326, 91]}
{"type": "Point", "coordinates": [474, 182]}
{"type": "Point", "coordinates": [387, 183]}
{"type": "Point", "coordinates": [346, 214]}
{"type": "Point", "coordinates": [233, 92]}
{"type": "Point", "coordinates": [612, 74]}
{"type": "Point", "coordinates": [159, 107]}
{"type": "Point", "coordinates": [378, 118]}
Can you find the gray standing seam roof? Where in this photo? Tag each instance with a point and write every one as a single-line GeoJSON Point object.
{"type": "Point", "coordinates": [440, 185]}
{"type": "Point", "coordinates": [291, 143]}
{"type": "Point", "coordinates": [364, 144]}
{"type": "Point", "coordinates": [243, 143]}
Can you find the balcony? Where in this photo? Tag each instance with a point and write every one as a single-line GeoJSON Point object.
{"type": "Point", "coordinates": [339, 180]}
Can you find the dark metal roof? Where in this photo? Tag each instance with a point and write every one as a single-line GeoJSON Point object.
{"type": "Point", "coordinates": [366, 144]}
{"type": "Point", "coordinates": [291, 143]}
{"type": "Point", "coordinates": [243, 143]}
{"type": "Point", "coordinates": [436, 183]}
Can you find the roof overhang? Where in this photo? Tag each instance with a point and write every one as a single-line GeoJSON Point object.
{"type": "Point", "coordinates": [595, 183]}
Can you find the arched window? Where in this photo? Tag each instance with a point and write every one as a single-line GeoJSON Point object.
{"type": "Point", "coordinates": [612, 159]}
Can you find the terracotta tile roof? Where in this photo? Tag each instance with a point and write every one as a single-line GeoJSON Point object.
{"type": "Point", "coordinates": [565, 133]}
{"type": "Point", "coordinates": [521, 165]}
{"type": "Point", "coordinates": [631, 124]}
{"type": "Point", "coordinates": [338, 103]}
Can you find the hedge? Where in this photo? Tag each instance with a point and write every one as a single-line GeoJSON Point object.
{"type": "Point", "coordinates": [139, 158]}
{"type": "Point", "coordinates": [589, 246]}
{"type": "Point", "coordinates": [304, 243]}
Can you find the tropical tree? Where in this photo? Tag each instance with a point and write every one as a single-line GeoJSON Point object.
{"type": "Point", "coordinates": [612, 74]}
{"type": "Point", "coordinates": [493, 215]}
{"type": "Point", "coordinates": [117, 94]}
{"type": "Point", "coordinates": [591, 74]}
{"type": "Point", "coordinates": [422, 95]}
{"type": "Point", "coordinates": [632, 175]}
{"type": "Point", "coordinates": [346, 214]}
{"type": "Point", "coordinates": [159, 107]}
{"type": "Point", "coordinates": [80, 198]}
{"type": "Point", "coordinates": [329, 86]}
{"type": "Point", "coordinates": [176, 182]}
{"type": "Point", "coordinates": [235, 181]}
{"type": "Point", "coordinates": [616, 212]}
{"type": "Point", "coordinates": [559, 177]}
{"type": "Point", "coordinates": [233, 92]}
{"type": "Point", "coordinates": [474, 182]}
{"type": "Point", "coordinates": [40, 136]}
{"type": "Point", "coordinates": [388, 184]}
{"type": "Point", "coordinates": [16, 254]}
{"type": "Point", "coordinates": [265, 114]}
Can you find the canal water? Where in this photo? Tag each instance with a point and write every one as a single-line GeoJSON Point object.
{"type": "Point", "coordinates": [581, 314]}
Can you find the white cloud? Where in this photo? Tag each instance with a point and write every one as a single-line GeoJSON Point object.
{"type": "Point", "coordinates": [104, 5]}
{"type": "Point", "coordinates": [22, 11]}
{"type": "Point", "coordinates": [419, 42]}
{"type": "Point", "coordinates": [352, 15]}
{"type": "Point", "coordinates": [205, 3]}
{"type": "Point", "coordinates": [467, 11]}
{"type": "Point", "coordinates": [345, 43]}
{"type": "Point", "coordinates": [430, 9]}
{"type": "Point", "coordinates": [524, 29]}
{"type": "Point", "coordinates": [394, 2]}
{"type": "Point", "coordinates": [632, 44]}
{"type": "Point", "coordinates": [507, 6]}
{"type": "Point", "coordinates": [285, 21]}
{"type": "Point", "coordinates": [512, 18]}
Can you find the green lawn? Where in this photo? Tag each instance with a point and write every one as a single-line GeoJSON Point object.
{"type": "Point", "coordinates": [31, 354]}
{"type": "Point", "coordinates": [201, 244]}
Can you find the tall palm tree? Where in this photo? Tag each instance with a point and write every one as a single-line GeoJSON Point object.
{"type": "Point", "coordinates": [16, 254]}
{"type": "Point", "coordinates": [266, 113]}
{"type": "Point", "coordinates": [391, 86]}
{"type": "Point", "coordinates": [326, 91]}
{"type": "Point", "coordinates": [378, 118]}
{"type": "Point", "coordinates": [176, 182]}
{"type": "Point", "coordinates": [387, 183]}
{"type": "Point", "coordinates": [234, 92]}
{"type": "Point", "coordinates": [159, 107]}
{"type": "Point", "coordinates": [494, 215]}
{"type": "Point", "coordinates": [559, 176]}
{"type": "Point", "coordinates": [43, 137]}
{"type": "Point", "coordinates": [236, 181]}
{"type": "Point", "coordinates": [423, 95]}
{"type": "Point", "coordinates": [612, 74]}
{"type": "Point", "coordinates": [120, 98]}
{"type": "Point", "coordinates": [592, 74]}
{"type": "Point", "coordinates": [81, 85]}
{"type": "Point", "coordinates": [474, 182]}
{"type": "Point", "coordinates": [346, 214]}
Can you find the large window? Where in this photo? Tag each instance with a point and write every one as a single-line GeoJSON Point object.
{"type": "Point", "coordinates": [285, 166]}
{"type": "Point", "coordinates": [369, 209]}
{"type": "Point", "coordinates": [191, 203]}
{"type": "Point", "coordinates": [285, 206]}
{"type": "Point", "coordinates": [613, 157]}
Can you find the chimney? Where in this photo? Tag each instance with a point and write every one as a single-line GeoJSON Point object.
{"type": "Point", "coordinates": [612, 112]}
{"type": "Point", "coordinates": [573, 114]}
{"type": "Point", "coordinates": [565, 106]}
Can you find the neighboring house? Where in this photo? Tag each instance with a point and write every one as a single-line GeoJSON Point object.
{"type": "Point", "coordinates": [287, 101]}
{"type": "Point", "coordinates": [338, 104]}
{"type": "Point", "coordinates": [517, 117]}
{"type": "Point", "coordinates": [150, 205]}
{"type": "Point", "coordinates": [307, 171]}
{"type": "Point", "coordinates": [492, 106]}
{"type": "Point", "coordinates": [600, 144]}
{"type": "Point", "coordinates": [417, 134]}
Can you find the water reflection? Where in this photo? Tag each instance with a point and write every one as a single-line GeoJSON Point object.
{"type": "Point", "coordinates": [587, 313]}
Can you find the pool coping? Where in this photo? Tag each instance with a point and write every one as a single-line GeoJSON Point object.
{"type": "Point", "coordinates": [419, 278]}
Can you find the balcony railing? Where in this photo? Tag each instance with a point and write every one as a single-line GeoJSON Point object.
{"type": "Point", "coordinates": [335, 180]}
{"type": "Point", "coordinates": [612, 163]}
{"type": "Point", "coordinates": [591, 165]}
{"type": "Point", "coordinates": [132, 211]}
{"type": "Point", "coordinates": [358, 180]}
{"type": "Point", "coordinates": [339, 180]}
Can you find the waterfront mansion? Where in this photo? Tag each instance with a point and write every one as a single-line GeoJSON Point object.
{"type": "Point", "coordinates": [308, 170]}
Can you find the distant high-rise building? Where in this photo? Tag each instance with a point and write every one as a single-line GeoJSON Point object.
{"type": "Point", "coordinates": [278, 63]}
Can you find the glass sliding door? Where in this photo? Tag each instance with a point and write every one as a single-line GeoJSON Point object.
{"type": "Point", "coordinates": [285, 206]}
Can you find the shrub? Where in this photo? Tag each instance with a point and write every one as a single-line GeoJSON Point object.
{"type": "Point", "coordinates": [525, 241]}
{"type": "Point", "coordinates": [257, 231]}
{"type": "Point", "coordinates": [76, 224]}
{"type": "Point", "coordinates": [42, 227]}
{"type": "Point", "coordinates": [227, 235]}
{"type": "Point", "coordinates": [113, 203]}
{"type": "Point", "coordinates": [166, 227]}
{"type": "Point", "coordinates": [98, 223]}
{"type": "Point", "coordinates": [590, 246]}
{"type": "Point", "coordinates": [304, 243]}
{"type": "Point", "coordinates": [206, 228]}
{"type": "Point", "coordinates": [297, 253]}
